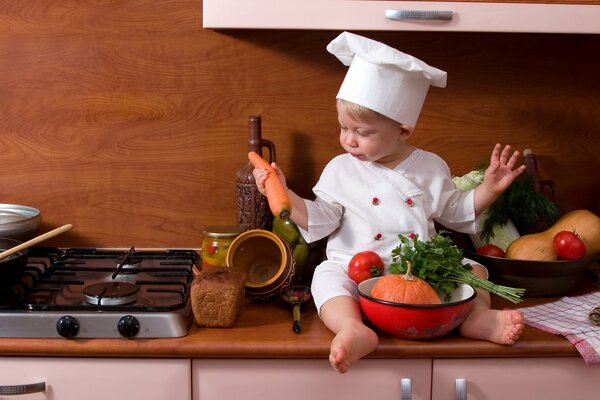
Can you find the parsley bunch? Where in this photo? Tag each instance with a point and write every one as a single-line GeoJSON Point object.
{"type": "Point", "coordinates": [439, 262]}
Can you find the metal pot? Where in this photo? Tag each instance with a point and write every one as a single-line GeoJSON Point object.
{"type": "Point", "coordinates": [11, 267]}
{"type": "Point", "coordinates": [19, 222]}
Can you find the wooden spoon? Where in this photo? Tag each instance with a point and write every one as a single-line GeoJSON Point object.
{"type": "Point", "coordinates": [35, 240]}
{"type": "Point", "coordinates": [296, 295]}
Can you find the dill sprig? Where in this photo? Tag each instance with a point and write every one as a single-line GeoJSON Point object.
{"type": "Point", "coordinates": [521, 204]}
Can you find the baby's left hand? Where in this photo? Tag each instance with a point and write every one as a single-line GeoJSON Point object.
{"type": "Point", "coordinates": [502, 172]}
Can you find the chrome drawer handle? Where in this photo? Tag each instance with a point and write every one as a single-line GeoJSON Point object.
{"type": "Point", "coordinates": [405, 389]}
{"type": "Point", "coordinates": [15, 390]}
{"type": "Point", "coordinates": [461, 389]}
{"type": "Point", "coordinates": [400, 15]}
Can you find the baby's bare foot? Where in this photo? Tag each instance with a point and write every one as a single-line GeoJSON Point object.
{"type": "Point", "coordinates": [497, 326]}
{"type": "Point", "coordinates": [514, 327]}
{"type": "Point", "coordinates": [350, 345]}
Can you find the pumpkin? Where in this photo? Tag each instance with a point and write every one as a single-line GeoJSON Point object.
{"type": "Point", "coordinates": [538, 246]}
{"type": "Point", "coordinates": [406, 289]}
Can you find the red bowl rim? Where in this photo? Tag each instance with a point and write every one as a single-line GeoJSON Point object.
{"type": "Point", "coordinates": [416, 306]}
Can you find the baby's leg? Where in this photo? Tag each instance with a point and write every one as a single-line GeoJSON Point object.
{"type": "Point", "coordinates": [353, 340]}
{"type": "Point", "coordinates": [498, 326]}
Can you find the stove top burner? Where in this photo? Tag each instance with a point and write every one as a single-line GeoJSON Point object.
{"type": "Point", "coordinates": [130, 266]}
{"type": "Point", "coordinates": [111, 293]}
{"type": "Point", "coordinates": [89, 292]}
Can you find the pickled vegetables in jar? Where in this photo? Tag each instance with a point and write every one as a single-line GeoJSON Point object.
{"type": "Point", "coordinates": [215, 244]}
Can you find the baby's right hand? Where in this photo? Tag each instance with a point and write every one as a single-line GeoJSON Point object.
{"type": "Point", "coordinates": [260, 176]}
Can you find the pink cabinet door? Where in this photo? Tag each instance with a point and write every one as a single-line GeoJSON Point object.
{"type": "Point", "coordinates": [466, 16]}
{"type": "Point", "coordinates": [98, 378]}
{"type": "Point", "coordinates": [551, 378]}
{"type": "Point", "coordinates": [301, 379]}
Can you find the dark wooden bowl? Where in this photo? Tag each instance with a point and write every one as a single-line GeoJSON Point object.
{"type": "Point", "coordinates": [538, 278]}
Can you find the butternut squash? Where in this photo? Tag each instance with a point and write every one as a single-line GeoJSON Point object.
{"type": "Point", "coordinates": [538, 246]}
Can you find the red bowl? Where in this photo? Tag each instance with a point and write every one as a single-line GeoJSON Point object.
{"type": "Point", "coordinates": [416, 321]}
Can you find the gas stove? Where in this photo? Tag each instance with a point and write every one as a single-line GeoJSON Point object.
{"type": "Point", "coordinates": [100, 293]}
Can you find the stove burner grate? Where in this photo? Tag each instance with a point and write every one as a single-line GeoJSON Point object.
{"type": "Point", "coordinates": [161, 277]}
{"type": "Point", "coordinates": [104, 291]}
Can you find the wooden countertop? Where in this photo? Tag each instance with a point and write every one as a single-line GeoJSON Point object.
{"type": "Point", "coordinates": [264, 330]}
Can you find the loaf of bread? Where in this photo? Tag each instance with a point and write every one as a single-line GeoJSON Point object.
{"type": "Point", "coordinates": [218, 296]}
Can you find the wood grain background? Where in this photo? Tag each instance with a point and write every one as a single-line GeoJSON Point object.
{"type": "Point", "coordinates": [128, 120]}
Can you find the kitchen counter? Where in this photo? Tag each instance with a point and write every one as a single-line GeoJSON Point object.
{"type": "Point", "coordinates": [264, 330]}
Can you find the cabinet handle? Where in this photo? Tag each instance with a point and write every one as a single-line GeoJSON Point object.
{"type": "Point", "coordinates": [14, 390]}
{"type": "Point", "coordinates": [461, 389]}
{"type": "Point", "coordinates": [405, 389]}
{"type": "Point", "coordinates": [399, 15]}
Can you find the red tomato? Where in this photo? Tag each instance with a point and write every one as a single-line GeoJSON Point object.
{"type": "Point", "coordinates": [568, 246]}
{"type": "Point", "coordinates": [365, 265]}
{"type": "Point", "coordinates": [490, 250]}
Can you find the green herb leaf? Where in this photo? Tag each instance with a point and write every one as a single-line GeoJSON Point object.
{"type": "Point", "coordinates": [523, 205]}
{"type": "Point", "coordinates": [439, 262]}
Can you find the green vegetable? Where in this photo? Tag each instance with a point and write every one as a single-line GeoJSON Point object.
{"type": "Point", "coordinates": [301, 252]}
{"type": "Point", "coordinates": [439, 262]}
{"type": "Point", "coordinates": [469, 181]}
{"type": "Point", "coordinates": [520, 202]}
{"type": "Point", "coordinates": [287, 230]}
{"type": "Point", "coordinates": [502, 235]}
{"type": "Point", "coordinates": [500, 230]}
{"type": "Point", "coordinates": [307, 256]}
{"type": "Point", "coordinates": [529, 207]}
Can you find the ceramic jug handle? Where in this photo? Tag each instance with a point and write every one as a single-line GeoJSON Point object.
{"type": "Point", "coordinates": [269, 145]}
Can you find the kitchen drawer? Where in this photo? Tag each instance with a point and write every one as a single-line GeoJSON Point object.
{"type": "Point", "coordinates": [301, 379]}
{"type": "Point", "coordinates": [548, 378]}
{"type": "Point", "coordinates": [371, 15]}
{"type": "Point", "coordinates": [99, 378]}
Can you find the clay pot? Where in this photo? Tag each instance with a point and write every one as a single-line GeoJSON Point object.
{"type": "Point", "coordinates": [266, 261]}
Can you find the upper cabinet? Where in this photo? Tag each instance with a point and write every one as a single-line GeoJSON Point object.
{"type": "Point", "coordinates": [576, 16]}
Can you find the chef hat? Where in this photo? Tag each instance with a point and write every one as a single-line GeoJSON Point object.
{"type": "Point", "coordinates": [384, 79]}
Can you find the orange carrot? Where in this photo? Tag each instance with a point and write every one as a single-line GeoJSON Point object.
{"type": "Point", "coordinates": [277, 196]}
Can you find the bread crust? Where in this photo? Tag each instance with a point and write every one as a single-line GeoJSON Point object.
{"type": "Point", "coordinates": [217, 296]}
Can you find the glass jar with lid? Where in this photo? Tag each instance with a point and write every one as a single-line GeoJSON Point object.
{"type": "Point", "coordinates": [216, 242]}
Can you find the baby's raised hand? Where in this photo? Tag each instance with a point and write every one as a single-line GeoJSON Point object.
{"type": "Point", "coordinates": [502, 172]}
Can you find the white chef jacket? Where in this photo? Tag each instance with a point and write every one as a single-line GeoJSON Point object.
{"type": "Point", "coordinates": [362, 205]}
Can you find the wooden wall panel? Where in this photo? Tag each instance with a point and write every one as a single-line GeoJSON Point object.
{"type": "Point", "coordinates": [128, 120]}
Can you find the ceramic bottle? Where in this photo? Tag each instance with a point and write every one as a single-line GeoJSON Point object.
{"type": "Point", "coordinates": [252, 207]}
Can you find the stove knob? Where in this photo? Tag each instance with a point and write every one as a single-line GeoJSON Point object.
{"type": "Point", "coordinates": [67, 326]}
{"type": "Point", "coordinates": [128, 326]}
